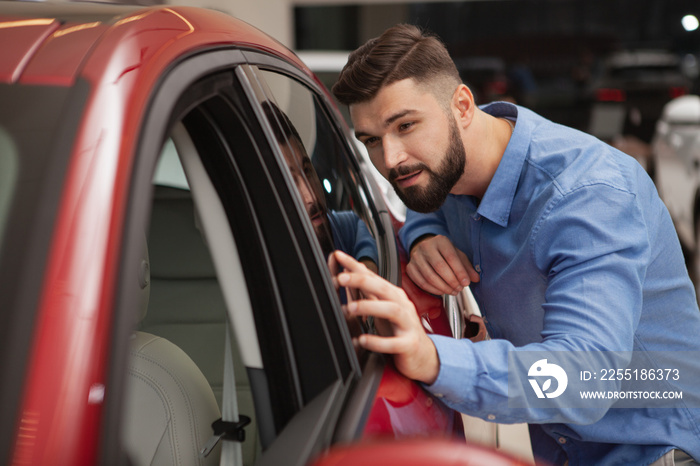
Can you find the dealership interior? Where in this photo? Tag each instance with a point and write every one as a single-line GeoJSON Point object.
{"type": "Point", "coordinates": [566, 59]}
{"type": "Point", "coordinates": [611, 68]}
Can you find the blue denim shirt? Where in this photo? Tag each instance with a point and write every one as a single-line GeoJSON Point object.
{"type": "Point", "coordinates": [351, 235]}
{"type": "Point", "coordinates": [576, 252]}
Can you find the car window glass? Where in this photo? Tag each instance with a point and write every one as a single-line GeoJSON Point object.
{"type": "Point", "coordinates": [185, 307]}
{"type": "Point", "coordinates": [169, 170]}
{"type": "Point", "coordinates": [329, 187]}
{"type": "Point", "coordinates": [296, 345]}
{"type": "Point", "coordinates": [323, 175]}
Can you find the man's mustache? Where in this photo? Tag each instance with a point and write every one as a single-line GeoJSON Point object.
{"type": "Point", "coordinates": [315, 210]}
{"type": "Point", "coordinates": [404, 170]}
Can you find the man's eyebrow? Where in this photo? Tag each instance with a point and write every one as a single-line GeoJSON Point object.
{"type": "Point", "coordinates": [388, 121]}
{"type": "Point", "coordinates": [398, 115]}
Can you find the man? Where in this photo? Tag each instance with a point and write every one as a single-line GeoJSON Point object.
{"type": "Point", "coordinates": [573, 253]}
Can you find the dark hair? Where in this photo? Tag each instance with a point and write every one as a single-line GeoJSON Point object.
{"type": "Point", "coordinates": [284, 130]}
{"type": "Point", "coordinates": [401, 52]}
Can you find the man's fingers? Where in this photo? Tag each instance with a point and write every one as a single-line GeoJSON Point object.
{"type": "Point", "coordinates": [386, 310]}
{"type": "Point", "coordinates": [429, 268]}
{"type": "Point", "coordinates": [427, 279]}
{"type": "Point", "coordinates": [378, 344]}
{"type": "Point", "coordinates": [459, 265]}
{"type": "Point", "coordinates": [438, 267]}
{"type": "Point", "coordinates": [372, 286]}
{"type": "Point", "coordinates": [473, 275]}
{"type": "Point", "coordinates": [348, 262]}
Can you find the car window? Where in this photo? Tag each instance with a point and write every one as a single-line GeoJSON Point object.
{"type": "Point", "coordinates": [328, 184]}
{"type": "Point", "coordinates": [300, 349]}
{"type": "Point", "coordinates": [320, 164]}
{"type": "Point", "coordinates": [240, 181]}
{"type": "Point", "coordinates": [169, 171]}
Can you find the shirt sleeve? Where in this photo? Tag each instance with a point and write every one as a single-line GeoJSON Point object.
{"type": "Point", "coordinates": [417, 225]}
{"type": "Point", "coordinates": [365, 245]}
{"type": "Point", "coordinates": [591, 247]}
{"type": "Point", "coordinates": [351, 235]}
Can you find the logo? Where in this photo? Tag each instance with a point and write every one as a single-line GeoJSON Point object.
{"type": "Point", "coordinates": [541, 369]}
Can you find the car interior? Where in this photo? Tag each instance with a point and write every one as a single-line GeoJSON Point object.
{"type": "Point", "coordinates": [176, 367]}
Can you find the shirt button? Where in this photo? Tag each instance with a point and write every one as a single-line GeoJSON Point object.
{"type": "Point", "coordinates": [477, 267]}
{"type": "Point", "coordinates": [562, 440]}
{"type": "Point", "coordinates": [491, 417]}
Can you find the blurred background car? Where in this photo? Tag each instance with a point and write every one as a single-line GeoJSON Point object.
{"type": "Point", "coordinates": [632, 89]}
{"type": "Point", "coordinates": [676, 170]}
{"type": "Point", "coordinates": [486, 77]}
{"type": "Point", "coordinates": [171, 182]}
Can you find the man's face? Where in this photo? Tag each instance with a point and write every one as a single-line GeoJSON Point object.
{"type": "Point", "coordinates": [413, 143]}
{"type": "Point", "coordinates": [309, 187]}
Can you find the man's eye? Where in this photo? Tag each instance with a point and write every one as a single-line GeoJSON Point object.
{"type": "Point", "coordinates": [405, 126]}
{"type": "Point", "coordinates": [371, 142]}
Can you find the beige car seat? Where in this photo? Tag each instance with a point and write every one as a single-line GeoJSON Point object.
{"type": "Point", "coordinates": [169, 405]}
{"type": "Point", "coordinates": [186, 303]}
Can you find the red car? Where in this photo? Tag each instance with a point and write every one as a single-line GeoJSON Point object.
{"type": "Point", "coordinates": [165, 172]}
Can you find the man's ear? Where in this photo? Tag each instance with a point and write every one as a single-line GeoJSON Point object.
{"type": "Point", "coordinates": [463, 105]}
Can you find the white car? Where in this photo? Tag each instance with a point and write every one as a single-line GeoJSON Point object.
{"type": "Point", "coordinates": [676, 171]}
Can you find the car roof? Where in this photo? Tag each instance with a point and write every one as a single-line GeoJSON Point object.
{"type": "Point", "coordinates": [53, 43]}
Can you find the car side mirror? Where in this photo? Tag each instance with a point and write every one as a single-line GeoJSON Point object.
{"type": "Point", "coordinates": [415, 452]}
{"type": "Point", "coordinates": [684, 110]}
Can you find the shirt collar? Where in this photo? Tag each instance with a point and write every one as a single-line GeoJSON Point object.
{"type": "Point", "coordinates": [498, 199]}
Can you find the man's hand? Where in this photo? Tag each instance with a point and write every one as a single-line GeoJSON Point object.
{"type": "Point", "coordinates": [438, 267]}
{"type": "Point", "coordinates": [414, 353]}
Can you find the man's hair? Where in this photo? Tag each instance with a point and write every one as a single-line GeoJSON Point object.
{"type": "Point", "coordinates": [401, 52]}
{"type": "Point", "coordinates": [284, 130]}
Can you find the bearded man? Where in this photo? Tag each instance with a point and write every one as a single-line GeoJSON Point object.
{"type": "Point", "coordinates": [565, 244]}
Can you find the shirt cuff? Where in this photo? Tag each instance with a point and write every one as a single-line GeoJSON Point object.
{"type": "Point", "coordinates": [408, 236]}
{"type": "Point", "coordinates": [457, 374]}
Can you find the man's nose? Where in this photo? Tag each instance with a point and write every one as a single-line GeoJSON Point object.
{"type": "Point", "coordinates": [306, 194]}
{"type": "Point", "coordinates": [394, 152]}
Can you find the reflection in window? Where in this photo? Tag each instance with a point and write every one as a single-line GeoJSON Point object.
{"type": "Point", "coordinates": [330, 191]}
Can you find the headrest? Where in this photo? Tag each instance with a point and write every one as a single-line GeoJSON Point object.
{"type": "Point", "coordinates": [175, 243]}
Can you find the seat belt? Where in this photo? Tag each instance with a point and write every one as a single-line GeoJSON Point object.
{"type": "Point", "coordinates": [230, 425]}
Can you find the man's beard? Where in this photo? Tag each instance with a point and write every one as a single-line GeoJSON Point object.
{"type": "Point", "coordinates": [323, 231]}
{"type": "Point", "coordinates": [431, 197]}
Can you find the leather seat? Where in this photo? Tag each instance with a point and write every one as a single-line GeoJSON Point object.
{"type": "Point", "coordinates": [169, 405]}
{"type": "Point", "coordinates": [186, 303]}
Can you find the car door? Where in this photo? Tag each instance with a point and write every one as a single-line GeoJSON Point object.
{"type": "Point", "coordinates": [268, 257]}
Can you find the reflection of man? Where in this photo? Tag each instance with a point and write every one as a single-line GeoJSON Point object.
{"type": "Point", "coordinates": [574, 252]}
{"type": "Point", "coordinates": [343, 231]}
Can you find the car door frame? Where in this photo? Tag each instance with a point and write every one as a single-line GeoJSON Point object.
{"type": "Point", "coordinates": [159, 118]}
